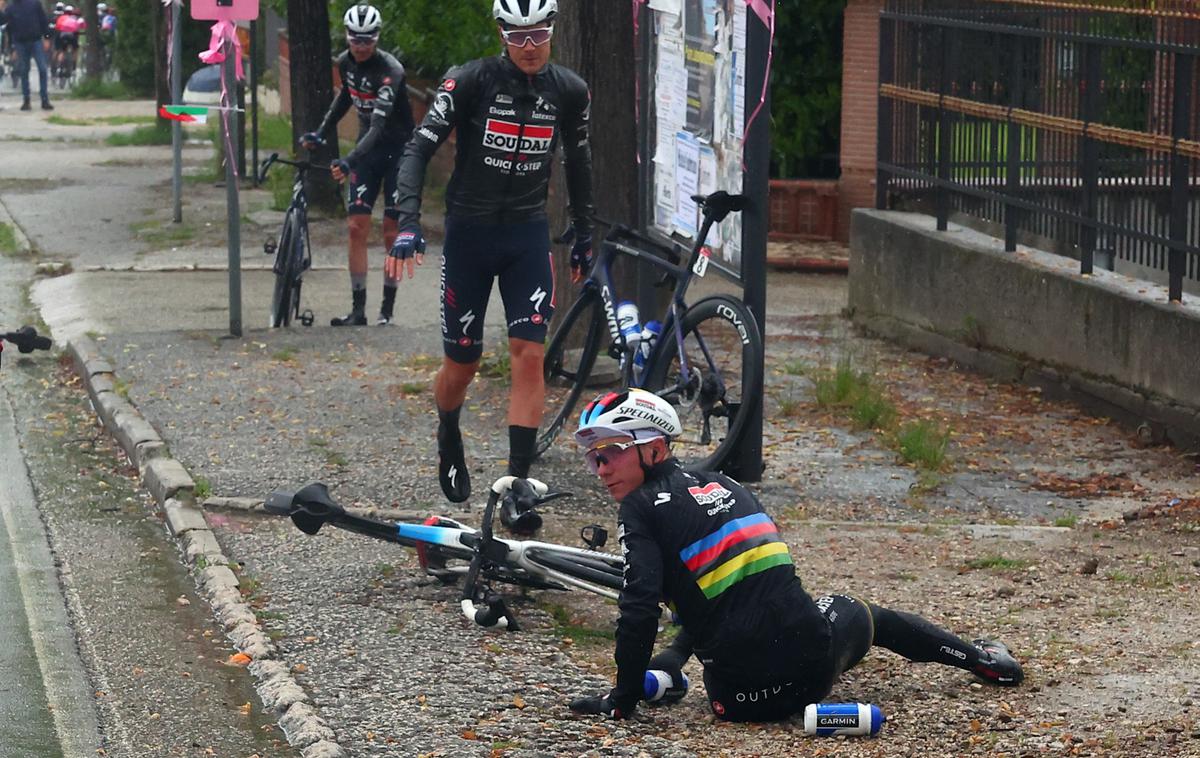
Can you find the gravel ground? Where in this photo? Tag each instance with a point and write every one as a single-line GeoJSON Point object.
{"type": "Point", "coordinates": [1094, 607]}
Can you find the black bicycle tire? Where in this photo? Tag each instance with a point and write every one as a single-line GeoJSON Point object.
{"type": "Point", "coordinates": [281, 311]}
{"type": "Point", "coordinates": [752, 361]}
{"type": "Point", "coordinates": [298, 268]}
{"type": "Point", "coordinates": [589, 303]}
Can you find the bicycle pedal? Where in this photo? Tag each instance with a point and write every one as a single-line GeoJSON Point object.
{"type": "Point", "coordinates": [307, 318]}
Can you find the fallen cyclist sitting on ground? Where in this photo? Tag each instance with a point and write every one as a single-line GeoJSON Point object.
{"type": "Point", "coordinates": [701, 542]}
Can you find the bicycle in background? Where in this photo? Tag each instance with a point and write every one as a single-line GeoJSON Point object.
{"type": "Point", "coordinates": [706, 359]}
{"type": "Point", "coordinates": [293, 255]}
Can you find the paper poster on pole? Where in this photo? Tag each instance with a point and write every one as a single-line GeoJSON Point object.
{"type": "Point", "coordinates": [687, 181]}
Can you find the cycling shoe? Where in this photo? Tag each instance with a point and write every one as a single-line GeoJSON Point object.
{"type": "Point", "coordinates": [353, 318]}
{"type": "Point", "coordinates": [452, 464]}
{"type": "Point", "coordinates": [999, 666]}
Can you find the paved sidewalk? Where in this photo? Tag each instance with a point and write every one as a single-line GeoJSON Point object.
{"type": "Point", "coordinates": [1021, 536]}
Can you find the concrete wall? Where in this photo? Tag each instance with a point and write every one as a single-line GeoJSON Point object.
{"type": "Point", "coordinates": [1030, 316]}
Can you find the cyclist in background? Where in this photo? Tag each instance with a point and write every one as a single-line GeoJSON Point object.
{"type": "Point", "coordinates": [107, 37]}
{"type": "Point", "coordinates": [66, 44]}
{"type": "Point", "coordinates": [510, 111]}
{"type": "Point", "coordinates": [374, 83]}
{"type": "Point", "coordinates": [703, 543]}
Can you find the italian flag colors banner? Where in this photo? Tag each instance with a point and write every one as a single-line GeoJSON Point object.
{"type": "Point", "coordinates": [189, 114]}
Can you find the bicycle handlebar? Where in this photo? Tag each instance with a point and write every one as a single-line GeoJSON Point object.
{"type": "Point", "coordinates": [26, 339]}
{"type": "Point", "coordinates": [274, 158]}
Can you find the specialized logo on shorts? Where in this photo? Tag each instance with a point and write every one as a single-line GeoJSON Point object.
{"type": "Point", "coordinates": [503, 135]}
{"type": "Point", "coordinates": [361, 189]}
{"type": "Point", "coordinates": [466, 320]}
{"type": "Point", "coordinates": [709, 494]}
{"type": "Point", "coordinates": [537, 297]}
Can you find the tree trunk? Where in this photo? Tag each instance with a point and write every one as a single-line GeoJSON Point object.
{"type": "Point", "coordinates": [312, 90]}
{"type": "Point", "coordinates": [92, 58]}
{"type": "Point", "coordinates": [595, 39]}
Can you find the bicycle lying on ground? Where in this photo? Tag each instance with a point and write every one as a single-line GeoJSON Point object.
{"type": "Point", "coordinates": [26, 340]}
{"type": "Point", "coordinates": [707, 361]}
{"type": "Point", "coordinates": [292, 253]}
{"type": "Point", "coordinates": [448, 549]}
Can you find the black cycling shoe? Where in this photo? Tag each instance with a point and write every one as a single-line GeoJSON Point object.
{"type": "Point", "coordinates": [452, 464]}
{"type": "Point", "coordinates": [999, 666]}
{"type": "Point", "coordinates": [353, 318]}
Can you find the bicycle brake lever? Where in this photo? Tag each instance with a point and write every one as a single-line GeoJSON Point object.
{"type": "Point", "coordinates": [553, 496]}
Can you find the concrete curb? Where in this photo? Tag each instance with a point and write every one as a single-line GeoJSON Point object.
{"type": "Point", "coordinates": [174, 490]}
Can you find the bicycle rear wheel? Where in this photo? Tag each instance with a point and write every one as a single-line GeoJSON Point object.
{"type": "Point", "coordinates": [574, 361]}
{"type": "Point", "coordinates": [284, 268]}
{"type": "Point", "coordinates": [714, 397]}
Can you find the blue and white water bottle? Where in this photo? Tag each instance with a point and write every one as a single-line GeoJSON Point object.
{"type": "Point", "coordinates": [835, 719]}
{"type": "Point", "coordinates": [627, 321]}
{"type": "Point", "coordinates": [658, 686]}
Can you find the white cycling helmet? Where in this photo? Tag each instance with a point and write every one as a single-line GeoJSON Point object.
{"type": "Point", "coordinates": [362, 21]}
{"type": "Point", "coordinates": [59, 7]}
{"type": "Point", "coordinates": [101, 7]}
{"type": "Point", "coordinates": [524, 12]}
{"type": "Point", "coordinates": [636, 414]}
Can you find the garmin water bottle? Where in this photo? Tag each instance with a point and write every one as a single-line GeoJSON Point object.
{"type": "Point", "coordinates": [659, 687]}
{"type": "Point", "coordinates": [836, 719]}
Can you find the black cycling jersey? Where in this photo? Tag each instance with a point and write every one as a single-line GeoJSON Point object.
{"type": "Point", "coordinates": [509, 124]}
{"type": "Point", "coordinates": [701, 542]}
{"type": "Point", "coordinates": [379, 93]}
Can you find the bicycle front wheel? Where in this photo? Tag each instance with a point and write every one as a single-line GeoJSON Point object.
{"type": "Point", "coordinates": [281, 298]}
{"type": "Point", "coordinates": [573, 358]}
{"type": "Point", "coordinates": [712, 378]}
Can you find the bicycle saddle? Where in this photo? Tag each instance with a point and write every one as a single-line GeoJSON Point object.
{"type": "Point", "coordinates": [720, 204]}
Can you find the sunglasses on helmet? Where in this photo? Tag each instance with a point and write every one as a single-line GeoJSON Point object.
{"type": "Point", "coordinates": [520, 37]}
{"type": "Point", "coordinates": [604, 455]}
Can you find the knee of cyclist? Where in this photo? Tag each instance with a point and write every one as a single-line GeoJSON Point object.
{"type": "Point", "coordinates": [359, 225]}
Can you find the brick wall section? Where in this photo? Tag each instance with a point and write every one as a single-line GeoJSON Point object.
{"type": "Point", "coordinates": [860, 93]}
{"type": "Point", "coordinates": [803, 209]}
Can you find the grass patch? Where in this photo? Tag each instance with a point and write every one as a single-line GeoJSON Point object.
{"type": "Point", "coordinates": [99, 89]}
{"type": "Point", "coordinates": [845, 387]}
{"type": "Point", "coordinates": [794, 368]}
{"type": "Point", "coordinates": [1119, 576]}
{"type": "Point", "coordinates": [1067, 521]}
{"type": "Point", "coordinates": [121, 387]}
{"type": "Point", "coordinates": [157, 232]}
{"type": "Point", "coordinates": [317, 442]}
{"type": "Point", "coordinates": [279, 184]}
{"type": "Point", "coordinates": [871, 410]}
{"type": "Point", "coordinates": [203, 488]}
{"type": "Point", "coordinates": [412, 388]}
{"type": "Point", "coordinates": [8, 240]}
{"type": "Point", "coordinates": [565, 626]}
{"type": "Point", "coordinates": [790, 407]}
{"type": "Point", "coordinates": [94, 120]}
{"type": "Point", "coordinates": [284, 355]}
{"type": "Point", "coordinates": [998, 562]}
{"type": "Point", "coordinates": [923, 443]}
{"type": "Point", "coordinates": [421, 362]}
{"type": "Point", "coordinates": [150, 134]}
{"type": "Point", "coordinates": [495, 365]}
{"type": "Point", "coordinates": [274, 134]}
{"type": "Point", "coordinates": [385, 569]}
{"type": "Point", "coordinates": [336, 459]}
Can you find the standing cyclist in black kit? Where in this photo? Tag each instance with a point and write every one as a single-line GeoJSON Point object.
{"type": "Point", "coordinates": [702, 543]}
{"type": "Point", "coordinates": [511, 111]}
{"type": "Point", "coordinates": [373, 81]}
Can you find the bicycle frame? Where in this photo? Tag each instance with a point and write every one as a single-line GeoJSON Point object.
{"type": "Point", "coordinates": [541, 565]}
{"type": "Point", "coordinates": [600, 279]}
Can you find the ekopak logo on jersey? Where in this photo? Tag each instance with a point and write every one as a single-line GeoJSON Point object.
{"type": "Point", "coordinates": [709, 493]}
{"type": "Point", "coordinates": [502, 135]}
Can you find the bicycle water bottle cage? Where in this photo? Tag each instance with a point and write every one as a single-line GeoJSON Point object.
{"type": "Point", "coordinates": [594, 536]}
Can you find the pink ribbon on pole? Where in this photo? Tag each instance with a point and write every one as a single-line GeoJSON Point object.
{"type": "Point", "coordinates": [767, 16]}
{"type": "Point", "coordinates": [222, 31]}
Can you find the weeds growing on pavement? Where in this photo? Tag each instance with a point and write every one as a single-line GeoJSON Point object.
{"type": "Point", "coordinates": [150, 134]}
{"type": "Point", "coordinates": [100, 89]}
{"type": "Point", "coordinates": [1067, 521]}
{"type": "Point", "coordinates": [922, 443]}
{"type": "Point", "coordinates": [203, 488]}
{"type": "Point", "coordinates": [284, 355]}
{"type": "Point", "coordinates": [794, 367]}
{"type": "Point", "coordinates": [412, 388]}
{"type": "Point", "coordinates": [8, 240]}
{"type": "Point", "coordinates": [94, 120]}
{"type": "Point", "coordinates": [495, 365]}
{"type": "Point", "coordinates": [279, 184]}
{"type": "Point", "coordinates": [157, 232]}
{"type": "Point", "coordinates": [998, 562]}
{"type": "Point", "coordinates": [565, 625]}
{"type": "Point", "coordinates": [846, 387]}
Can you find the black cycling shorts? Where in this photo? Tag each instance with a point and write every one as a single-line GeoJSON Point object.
{"type": "Point", "coordinates": [66, 41]}
{"type": "Point", "coordinates": [472, 257]}
{"type": "Point", "coordinates": [376, 168]}
{"type": "Point", "coordinates": [798, 680]}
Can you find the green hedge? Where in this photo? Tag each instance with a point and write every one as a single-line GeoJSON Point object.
{"type": "Point", "coordinates": [806, 88]}
{"type": "Point", "coordinates": [135, 49]}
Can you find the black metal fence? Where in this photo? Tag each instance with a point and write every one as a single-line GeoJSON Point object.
{"type": "Point", "coordinates": [1073, 125]}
